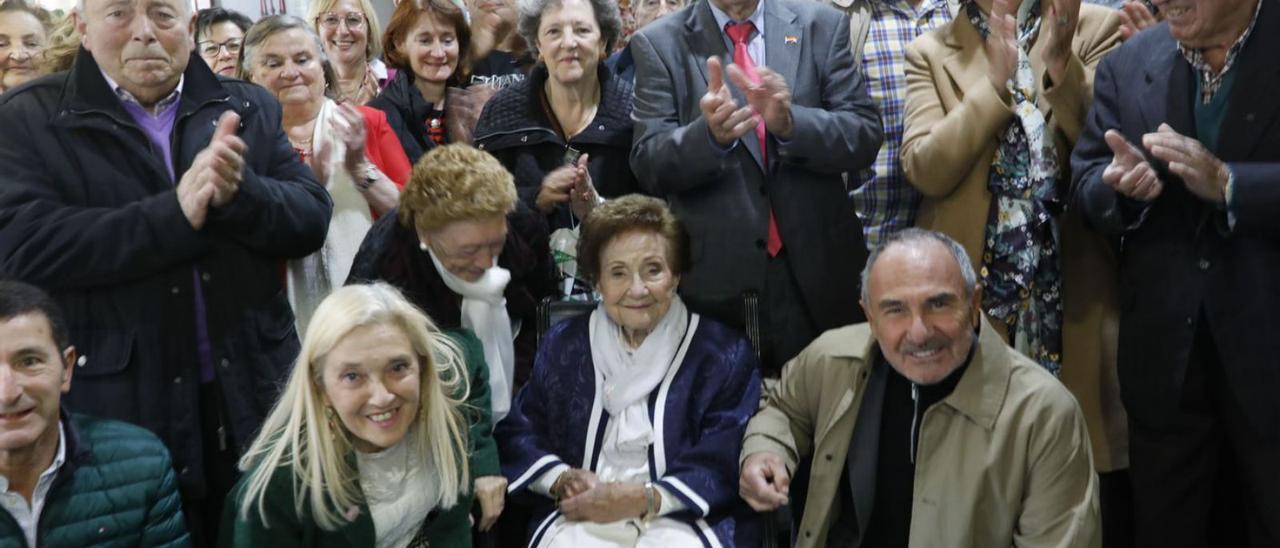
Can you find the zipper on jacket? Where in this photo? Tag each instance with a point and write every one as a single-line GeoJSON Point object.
{"type": "Point", "coordinates": [915, 416]}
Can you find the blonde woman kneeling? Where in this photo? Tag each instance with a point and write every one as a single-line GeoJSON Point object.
{"type": "Point", "coordinates": [367, 445]}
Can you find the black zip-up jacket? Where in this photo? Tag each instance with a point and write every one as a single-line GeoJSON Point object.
{"type": "Point", "coordinates": [514, 128]}
{"type": "Point", "coordinates": [89, 213]}
{"type": "Point", "coordinates": [407, 113]}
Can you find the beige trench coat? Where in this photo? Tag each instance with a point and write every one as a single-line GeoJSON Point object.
{"type": "Point", "coordinates": [952, 119]}
{"type": "Point", "coordinates": [1003, 460]}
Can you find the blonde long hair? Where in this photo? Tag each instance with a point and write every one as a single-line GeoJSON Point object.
{"type": "Point", "coordinates": [297, 434]}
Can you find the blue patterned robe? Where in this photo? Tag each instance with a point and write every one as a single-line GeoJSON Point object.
{"type": "Point", "coordinates": [699, 413]}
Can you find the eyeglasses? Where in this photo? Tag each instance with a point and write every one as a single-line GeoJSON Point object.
{"type": "Point", "coordinates": [211, 49]}
{"type": "Point", "coordinates": [354, 21]}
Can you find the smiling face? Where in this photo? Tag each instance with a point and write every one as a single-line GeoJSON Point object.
{"type": "Point", "coordinates": [288, 65]}
{"type": "Point", "coordinates": [919, 310]}
{"type": "Point", "coordinates": [345, 33]}
{"type": "Point", "coordinates": [33, 377]}
{"type": "Point", "coordinates": [22, 43]}
{"type": "Point", "coordinates": [371, 380]}
{"type": "Point", "coordinates": [431, 47]}
{"type": "Point", "coordinates": [636, 282]}
{"type": "Point", "coordinates": [569, 41]}
{"type": "Point", "coordinates": [1206, 23]}
{"type": "Point", "coordinates": [221, 46]}
{"type": "Point", "coordinates": [144, 45]}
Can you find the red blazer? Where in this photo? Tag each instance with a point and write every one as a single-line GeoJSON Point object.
{"type": "Point", "coordinates": [383, 148]}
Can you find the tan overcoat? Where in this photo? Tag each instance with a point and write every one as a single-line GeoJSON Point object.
{"type": "Point", "coordinates": [1002, 461]}
{"type": "Point", "coordinates": [953, 119]}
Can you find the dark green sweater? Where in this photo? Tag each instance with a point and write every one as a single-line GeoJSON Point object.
{"type": "Point", "coordinates": [116, 487]}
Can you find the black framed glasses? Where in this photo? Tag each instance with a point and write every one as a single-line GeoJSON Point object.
{"type": "Point", "coordinates": [211, 49]}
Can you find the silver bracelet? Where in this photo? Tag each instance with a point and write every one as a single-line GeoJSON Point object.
{"type": "Point", "coordinates": [650, 503]}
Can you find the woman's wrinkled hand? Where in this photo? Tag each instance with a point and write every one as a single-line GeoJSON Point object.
{"type": "Point", "coordinates": [573, 482]}
{"type": "Point", "coordinates": [491, 493]}
{"type": "Point", "coordinates": [605, 503]}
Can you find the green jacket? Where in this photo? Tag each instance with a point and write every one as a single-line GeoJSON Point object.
{"type": "Point", "coordinates": [450, 527]}
{"type": "Point", "coordinates": [115, 487]}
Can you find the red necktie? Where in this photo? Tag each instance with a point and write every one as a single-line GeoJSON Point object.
{"type": "Point", "coordinates": [740, 34]}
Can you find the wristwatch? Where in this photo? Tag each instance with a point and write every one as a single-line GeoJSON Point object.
{"type": "Point", "coordinates": [370, 176]}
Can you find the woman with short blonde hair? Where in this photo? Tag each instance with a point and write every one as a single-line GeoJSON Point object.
{"type": "Point", "coordinates": [366, 439]}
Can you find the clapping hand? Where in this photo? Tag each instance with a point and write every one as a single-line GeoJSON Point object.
{"type": "Point", "coordinates": [726, 121]}
{"type": "Point", "coordinates": [769, 97]}
{"type": "Point", "coordinates": [1002, 46]}
{"type": "Point", "coordinates": [348, 128]}
{"type": "Point", "coordinates": [567, 183]}
{"type": "Point", "coordinates": [582, 197]}
{"type": "Point", "coordinates": [1135, 17]}
{"type": "Point", "coordinates": [1202, 172]}
{"type": "Point", "coordinates": [1129, 172]}
{"type": "Point", "coordinates": [215, 174]}
{"type": "Point", "coordinates": [1059, 24]}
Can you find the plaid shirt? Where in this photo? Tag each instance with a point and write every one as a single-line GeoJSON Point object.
{"type": "Point", "coordinates": [887, 203]}
{"type": "Point", "coordinates": [1210, 80]}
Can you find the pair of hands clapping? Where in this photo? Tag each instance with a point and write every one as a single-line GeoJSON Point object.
{"type": "Point", "coordinates": [568, 183]}
{"type": "Point", "coordinates": [1057, 28]}
{"type": "Point", "coordinates": [769, 98]}
{"type": "Point", "coordinates": [348, 128]}
{"type": "Point", "coordinates": [1130, 174]}
{"type": "Point", "coordinates": [215, 174]}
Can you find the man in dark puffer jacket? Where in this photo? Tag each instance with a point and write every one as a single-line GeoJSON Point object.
{"type": "Point", "coordinates": [68, 479]}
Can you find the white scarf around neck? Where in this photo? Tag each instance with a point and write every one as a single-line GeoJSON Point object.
{"type": "Point", "coordinates": [631, 375]}
{"type": "Point", "coordinates": [484, 311]}
{"type": "Point", "coordinates": [313, 277]}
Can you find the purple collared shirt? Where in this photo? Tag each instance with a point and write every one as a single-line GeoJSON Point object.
{"type": "Point", "coordinates": [157, 123]}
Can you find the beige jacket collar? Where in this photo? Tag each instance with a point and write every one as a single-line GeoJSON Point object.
{"type": "Point", "coordinates": [981, 391]}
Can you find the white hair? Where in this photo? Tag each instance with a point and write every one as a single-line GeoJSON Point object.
{"type": "Point", "coordinates": [913, 236]}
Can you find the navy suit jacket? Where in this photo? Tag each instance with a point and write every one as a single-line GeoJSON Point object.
{"type": "Point", "coordinates": [1179, 255]}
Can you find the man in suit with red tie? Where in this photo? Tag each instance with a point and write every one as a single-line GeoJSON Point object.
{"type": "Point", "coordinates": [753, 158]}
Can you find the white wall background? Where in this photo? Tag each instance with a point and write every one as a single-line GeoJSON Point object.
{"type": "Point", "coordinates": [253, 8]}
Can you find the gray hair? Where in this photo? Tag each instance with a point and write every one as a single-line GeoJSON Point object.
{"type": "Point", "coordinates": [608, 18]}
{"type": "Point", "coordinates": [270, 26]}
{"type": "Point", "coordinates": [915, 236]}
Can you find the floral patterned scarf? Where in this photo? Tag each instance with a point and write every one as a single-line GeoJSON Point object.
{"type": "Point", "coordinates": [1021, 274]}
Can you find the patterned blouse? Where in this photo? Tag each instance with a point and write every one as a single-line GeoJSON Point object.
{"type": "Point", "coordinates": [1021, 272]}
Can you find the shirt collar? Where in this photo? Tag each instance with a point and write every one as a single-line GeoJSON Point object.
{"type": "Point", "coordinates": [1210, 81]}
{"type": "Point", "coordinates": [722, 18]}
{"type": "Point", "coordinates": [59, 457]}
{"type": "Point", "coordinates": [161, 105]}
